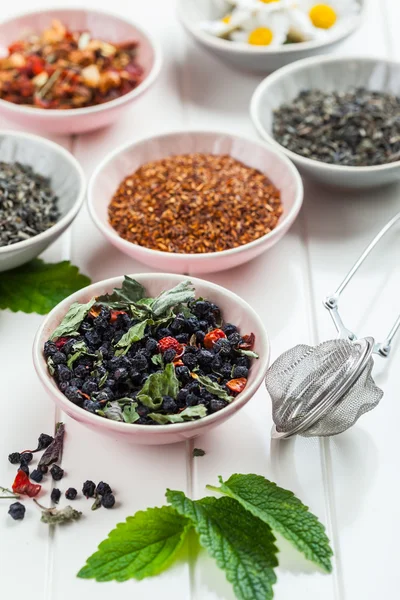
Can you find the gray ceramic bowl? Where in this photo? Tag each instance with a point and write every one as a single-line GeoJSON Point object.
{"type": "Point", "coordinates": [254, 58]}
{"type": "Point", "coordinates": [67, 180]}
{"type": "Point", "coordinates": [328, 74]}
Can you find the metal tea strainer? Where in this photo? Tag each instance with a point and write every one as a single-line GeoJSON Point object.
{"type": "Point", "coordinates": [322, 390]}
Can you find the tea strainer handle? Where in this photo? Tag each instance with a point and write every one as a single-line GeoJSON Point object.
{"type": "Point", "coordinates": [331, 302]}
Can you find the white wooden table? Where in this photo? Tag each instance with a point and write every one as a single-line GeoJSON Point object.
{"type": "Point", "coordinates": [352, 482]}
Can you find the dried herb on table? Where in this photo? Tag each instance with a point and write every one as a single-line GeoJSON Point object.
{"type": "Point", "coordinates": [198, 452]}
{"type": "Point", "coordinates": [55, 516]}
{"type": "Point", "coordinates": [53, 452]}
{"type": "Point", "coordinates": [195, 203]}
{"type": "Point", "coordinates": [356, 128]}
{"type": "Point", "coordinates": [28, 205]}
{"type": "Point", "coordinates": [6, 494]}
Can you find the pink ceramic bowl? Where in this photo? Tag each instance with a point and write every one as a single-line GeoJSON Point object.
{"type": "Point", "coordinates": [124, 161]}
{"type": "Point", "coordinates": [234, 310]}
{"type": "Point", "coordinates": [104, 25]}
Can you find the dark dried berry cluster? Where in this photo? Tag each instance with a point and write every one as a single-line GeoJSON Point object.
{"type": "Point", "coordinates": [98, 376]}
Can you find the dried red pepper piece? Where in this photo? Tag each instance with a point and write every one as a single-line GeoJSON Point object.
{"type": "Point", "coordinates": [22, 485]}
{"type": "Point", "coordinates": [115, 313]}
{"type": "Point", "coordinates": [212, 337]}
{"type": "Point", "coordinates": [169, 342]}
{"type": "Point", "coordinates": [94, 311]}
{"type": "Point", "coordinates": [247, 342]}
{"type": "Point", "coordinates": [61, 341]}
{"type": "Point", "coordinates": [237, 385]}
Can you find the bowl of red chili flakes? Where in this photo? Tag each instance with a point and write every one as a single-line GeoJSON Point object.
{"type": "Point", "coordinates": [71, 70]}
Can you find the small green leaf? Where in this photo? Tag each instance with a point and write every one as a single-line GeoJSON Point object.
{"type": "Point", "coordinates": [189, 414]}
{"type": "Point", "coordinates": [38, 286]}
{"type": "Point", "coordinates": [242, 545]}
{"type": "Point", "coordinates": [142, 546]}
{"type": "Point", "coordinates": [181, 294]}
{"type": "Point", "coordinates": [129, 413]}
{"type": "Point", "coordinates": [51, 366]}
{"type": "Point", "coordinates": [248, 353]}
{"type": "Point", "coordinates": [157, 360]}
{"type": "Point", "coordinates": [79, 349]}
{"type": "Point", "coordinates": [283, 512]}
{"type": "Point", "coordinates": [130, 292]}
{"type": "Point", "coordinates": [213, 387]}
{"type": "Point", "coordinates": [157, 385]}
{"type": "Point", "coordinates": [72, 320]}
{"type": "Point", "coordinates": [113, 411]}
{"type": "Point", "coordinates": [134, 334]}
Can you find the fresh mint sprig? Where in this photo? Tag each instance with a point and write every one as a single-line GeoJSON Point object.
{"type": "Point", "coordinates": [236, 530]}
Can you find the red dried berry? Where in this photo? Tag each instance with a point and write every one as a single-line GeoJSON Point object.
{"type": "Point", "coordinates": [170, 342]}
{"type": "Point", "coordinates": [237, 385]}
{"type": "Point", "coordinates": [60, 342]}
{"type": "Point", "coordinates": [212, 337]}
{"type": "Point", "coordinates": [22, 485]}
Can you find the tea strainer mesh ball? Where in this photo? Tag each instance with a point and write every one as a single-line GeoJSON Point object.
{"type": "Point", "coordinates": [322, 390]}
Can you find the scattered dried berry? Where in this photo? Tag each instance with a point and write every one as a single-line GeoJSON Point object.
{"type": "Point", "coordinates": [57, 472]}
{"type": "Point", "coordinates": [55, 495]}
{"type": "Point", "coordinates": [88, 489]}
{"type": "Point", "coordinates": [71, 494]}
{"type": "Point", "coordinates": [17, 511]}
{"type": "Point", "coordinates": [103, 488]}
{"type": "Point", "coordinates": [37, 475]}
{"type": "Point", "coordinates": [14, 458]}
{"type": "Point", "coordinates": [26, 458]}
{"type": "Point", "coordinates": [108, 500]}
{"type": "Point", "coordinates": [24, 468]}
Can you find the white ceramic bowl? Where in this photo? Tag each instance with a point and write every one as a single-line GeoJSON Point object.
{"type": "Point", "coordinates": [234, 310]}
{"type": "Point", "coordinates": [106, 26]}
{"type": "Point", "coordinates": [126, 160]}
{"type": "Point", "coordinates": [254, 58]}
{"type": "Point", "coordinates": [67, 180]}
{"type": "Point", "coordinates": [327, 74]}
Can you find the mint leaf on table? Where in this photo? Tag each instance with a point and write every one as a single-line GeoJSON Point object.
{"type": "Point", "coordinates": [37, 287]}
{"type": "Point", "coordinates": [131, 291]}
{"type": "Point", "coordinates": [157, 385]}
{"type": "Point", "coordinates": [143, 545]}
{"type": "Point", "coordinates": [242, 545]}
{"type": "Point", "coordinates": [283, 512]}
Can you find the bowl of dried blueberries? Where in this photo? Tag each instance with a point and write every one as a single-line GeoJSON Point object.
{"type": "Point", "coordinates": [152, 358]}
{"type": "Point", "coordinates": [42, 187]}
{"type": "Point", "coordinates": [337, 119]}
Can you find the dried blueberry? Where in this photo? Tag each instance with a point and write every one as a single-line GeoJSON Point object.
{"type": "Point", "coordinates": [108, 500]}
{"type": "Point", "coordinates": [183, 374]}
{"type": "Point", "coordinates": [89, 387]}
{"type": "Point", "coordinates": [163, 332]}
{"type": "Point", "coordinates": [91, 406]}
{"type": "Point", "coordinates": [152, 346]}
{"type": "Point", "coordinates": [200, 335]}
{"type": "Point", "coordinates": [189, 360]}
{"type": "Point", "coordinates": [37, 475]}
{"type": "Point", "coordinates": [71, 493]}
{"type": "Point", "coordinates": [217, 404]}
{"type": "Point", "coordinates": [181, 398]}
{"type": "Point", "coordinates": [56, 472]}
{"type": "Point", "coordinates": [229, 328]}
{"type": "Point", "coordinates": [169, 405]}
{"type": "Point", "coordinates": [120, 374]}
{"type": "Point", "coordinates": [201, 308]}
{"type": "Point", "coordinates": [243, 361]}
{"type": "Point", "coordinates": [26, 458]}
{"type": "Point", "coordinates": [76, 382]}
{"type": "Point", "coordinates": [49, 349]}
{"type": "Point", "coordinates": [182, 338]}
{"type": "Point", "coordinates": [192, 399]}
{"type": "Point", "coordinates": [239, 371]}
{"type": "Point", "coordinates": [178, 324]}
{"type": "Point", "coordinates": [81, 371]}
{"type": "Point", "coordinates": [103, 488]}
{"type": "Point", "coordinates": [73, 394]}
{"type": "Point", "coordinates": [234, 339]}
{"type": "Point", "coordinates": [17, 511]}
{"type": "Point", "coordinates": [55, 495]}
{"type": "Point", "coordinates": [169, 355]}
{"type": "Point", "coordinates": [205, 358]}
{"type": "Point", "coordinates": [140, 363]}
{"type": "Point", "coordinates": [223, 347]}
{"type": "Point", "coordinates": [192, 324]}
{"type": "Point", "coordinates": [59, 358]}
{"type": "Point", "coordinates": [14, 458]}
{"type": "Point", "coordinates": [63, 373]}
{"type": "Point", "coordinates": [88, 489]}
{"type": "Point", "coordinates": [93, 339]}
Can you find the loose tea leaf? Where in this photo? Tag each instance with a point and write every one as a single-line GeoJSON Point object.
{"type": "Point", "coordinates": [134, 334]}
{"type": "Point", "coordinates": [242, 545]}
{"type": "Point", "coordinates": [213, 387]}
{"type": "Point", "coordinates": [142, 546]}
{"type": "Point", "coordinates": [131, 291]}
{"type": "Point", "coordinates": [157, 385]}
{"type": "Point", "coordinates": [72, 319]}
{"type": "Point", "coordinates": [53, 452]}
{"type": "Point", "coordinates": [182, 293]}
{"type": "Point", "coordinates": [283, 512]}
{"type": "Point", "coordinates": [188, 414]}
{"type": "Point", "coordinates": [354, 128]}
{"type": "Point", "coordinates": [38, 286]}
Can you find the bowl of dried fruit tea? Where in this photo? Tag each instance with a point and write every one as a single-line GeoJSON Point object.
{"type": "Point", "coordinates": [194, 201]}
{"type": "Point", "coordinates": [338, 119]}
{"type": "Point", "coordinates": [264, 35]}
{"type": "Point", "coordinates": [154, 358]}
{"type": "Point", "coordinates": [42, 187]}
{"type": "Point", "coordinates": [73, 70]}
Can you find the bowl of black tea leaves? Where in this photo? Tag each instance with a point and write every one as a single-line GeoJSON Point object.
{"type": "Point", "coordinates": [337, 119]}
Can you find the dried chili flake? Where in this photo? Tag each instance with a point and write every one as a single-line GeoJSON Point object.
{"type": "Point", "coordinates": [22, 485]}
{"type": "Point", "coordinates": [115, 314]}
{"type": "Point", "coordinates": [195, 203]}
{"type": "Point", "coordinates": [237, 385]}
{"type": "Point", "coordinates": [247, 342]}
{"type": "Point", "coordinates": [212, 337]}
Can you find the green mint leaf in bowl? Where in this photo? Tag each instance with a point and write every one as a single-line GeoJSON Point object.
{"type": "Point", "coordinates": [283, 512]}
{"type": "Point", "coordinates": [130, 292]}
{"type": "Point", "coordinates": [242, 545]}
{"type": "Point", "coordinates": [142, 546]}
{"type": "Point", "coordinates": [37, 287]}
